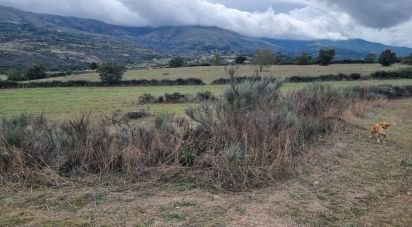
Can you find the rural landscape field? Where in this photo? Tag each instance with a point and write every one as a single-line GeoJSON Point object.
{"type": "Point", "coordinates": [205, 113]}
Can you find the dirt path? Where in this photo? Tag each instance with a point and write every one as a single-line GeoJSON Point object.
{"type": "Point", "coordinates": [350, 181]}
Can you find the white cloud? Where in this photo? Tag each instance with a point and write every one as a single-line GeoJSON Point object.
{"type": "Point", "coordinates": [294, 19]}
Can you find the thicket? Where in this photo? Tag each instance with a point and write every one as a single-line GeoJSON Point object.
{"type": "Point", "coordinates": [248, 138]}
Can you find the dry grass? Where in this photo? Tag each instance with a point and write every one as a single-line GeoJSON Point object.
{"type": "Point", "coordinates": [353, 181]}
{"type": "Point", "coordinates": [210, 73]}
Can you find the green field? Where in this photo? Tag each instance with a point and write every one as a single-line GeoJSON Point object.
{"type": "Point", "coordinates": [210, 73]}
{"type": "Point", "coordinates": [62, 103]}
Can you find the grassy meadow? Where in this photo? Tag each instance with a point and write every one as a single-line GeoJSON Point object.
{"type": "Point", "coordinates": [62, 103]}
{"type": "Point", "coordinates": [210, 73]}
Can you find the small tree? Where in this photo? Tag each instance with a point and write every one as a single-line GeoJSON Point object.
{"type": "Point", "coordinates": [177, 62]}
{"type": "Point", "coordinates": [93, 66]}
{"type": "Point", "coordinates": [15, 75]}
{"type": "Point", "coordinates": [240, 59]}
{"type": "Point", "coordinates": [370, 58]}
{"type": "Point", "coordinates": [111, 73]}
{"type": "Point", "coordinates": [264, 58]}
{"type": "Point", "coordinates": [36, 71]}
{"type": "Point", "coordinates": [387, 58]}
{"type": "Point", "coordinates": [304, 59]}
{"type": "Point", "coordinates": [326, 56]}
{"type": "Point", "coordinates": [216, 59]}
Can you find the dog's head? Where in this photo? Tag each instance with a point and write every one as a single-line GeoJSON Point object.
{"type": "Point", "coordinates": [385, 125]}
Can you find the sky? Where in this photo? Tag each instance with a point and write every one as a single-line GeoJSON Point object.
{"type": "Point", "coordinates": [384, 21]}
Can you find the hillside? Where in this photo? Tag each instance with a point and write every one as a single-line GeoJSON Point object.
{"type": "Point", "coordinates": [66, 41]}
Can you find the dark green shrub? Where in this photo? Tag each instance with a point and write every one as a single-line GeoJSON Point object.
{"type": "Point", "coordinates": [93, 66]}
{"type": "Point", "coordinates": [387, 58]}
{"type": "Point", "coordinates": [355, 76]}
{"type": "Point", "coordinates": [13, 129]}
{"type": "Point", "coordinates": [146, 98]}
{"type": "Point", "coordinates": [326, 56]}
{"type": "Point", "coordinates": [111, 73]}
{"type": "Point", "coordinates": [187, 157]}
{"type": "Point", "coordinates": [35, 72]}
{"type": "Point", "coordinates": [175, 97]}
{"type": "Point", "coordinates": [304, 59]}
{"type": "Point", "coordinates": [240, 59]}
{"type": "Point", "coordinates": [15, 75]}
{"type": "Point", "coordinates": [204, 96]}
{"type": "Point", "coordinates": [177, 62]}
{"type": "Point", "coordinates": [370, 58]}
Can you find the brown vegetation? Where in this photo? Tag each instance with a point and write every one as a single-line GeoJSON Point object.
{"type": "Point", "coordinates": [247, 138]}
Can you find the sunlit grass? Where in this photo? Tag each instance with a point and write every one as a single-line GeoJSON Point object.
{"type": "Point", "coordinates": [62, 103]}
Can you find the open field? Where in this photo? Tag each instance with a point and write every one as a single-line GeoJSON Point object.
{"type": "Point", "coordinates": [60, 103]}
{"type": "Point", "coordinates": [210, 73]}
{"type": "Point", "coordinates": [350, 181]}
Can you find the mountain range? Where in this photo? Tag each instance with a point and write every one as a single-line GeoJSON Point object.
{"type": "Point", "coordinates": [58, 41]}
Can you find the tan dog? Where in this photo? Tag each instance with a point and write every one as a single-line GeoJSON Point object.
{"type": "Point", "coordinates": [379, 131]}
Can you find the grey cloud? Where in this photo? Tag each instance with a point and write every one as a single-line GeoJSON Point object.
{"type": "Point", "coordinates": [289, 19]}
{"type": "Point", "coordinates": [376, 13]}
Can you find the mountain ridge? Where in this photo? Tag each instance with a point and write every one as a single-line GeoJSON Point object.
{"type": "Point", "coordinates": [84, 40]}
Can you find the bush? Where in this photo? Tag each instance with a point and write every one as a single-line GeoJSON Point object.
{"type": "Point", "coordinates": [13, 129]}
{"type": "Point", "coordinates": [175, 97]}
{"type": "Point", "coordinates": [177, 62]}
{"type": "Point", "coordinates": [240, 59]}
{"type": "Point", "coordinates": [387, 58]}
{"type": "Point", "coordinates": [205, 96]}
{"type": "Point", "coordinates": [370, 58]}
{"type": "Point", "coordinates": [15, 75]}
{"type": "Point", "coordinates": [35, 72]}
{"type": "Point", "coordinates": [111, 73]}
{"type": "Point", "coordinates": [146, 98]}
{"type": "Point", "coordinates": [326, 56]}
{"type": "Point", "coordinates": [304, 59]}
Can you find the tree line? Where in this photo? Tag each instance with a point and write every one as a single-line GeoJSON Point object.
{"type": "Point", "coordinates": [112, 73]}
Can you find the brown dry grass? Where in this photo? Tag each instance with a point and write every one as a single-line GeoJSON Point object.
{"type": "Point", "coordinates": [349, 181]}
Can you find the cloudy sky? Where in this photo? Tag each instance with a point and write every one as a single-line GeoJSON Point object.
{"type": "Point", "coordinates": [386, 21]}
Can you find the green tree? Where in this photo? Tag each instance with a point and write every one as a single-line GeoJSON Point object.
{"type": "Point", "coordinates": [387, 58]}
{"type": "Point", "coordinates": [240, 59]}
{"type": "Point", "coordinates": [177, 62]}
{"type": "Point", "coordinates": [93, 66]}
{"type": "Point", "coordinates": [264, 57]}
{"type": "Point", "coordinates": [111, 73]}
{"type": "Point", "coordinates": [36, 71]}
{"type": "Point", "coordinates": [216, 59]}
{"type": "Point", "coordinates": [326, 56]}
{"type": "Point", "coordinates": [15, 75]}
{"type": "Point", "coordinates": [370, 58]}
{"type": "Point", "coordinates": [304, 59]}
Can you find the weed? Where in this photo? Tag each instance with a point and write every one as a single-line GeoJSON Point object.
{"type": "Point", "coordinates": [168, 217]}
{"type": "Point", "coordinates": [148, 223]}
{"type": "Point", "coordinates": [183, 203]}
{"type": "Point", "coordinates": [240, 210]}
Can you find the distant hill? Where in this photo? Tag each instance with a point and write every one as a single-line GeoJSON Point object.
{"type": "Point", "coordinates": [66, 41]}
